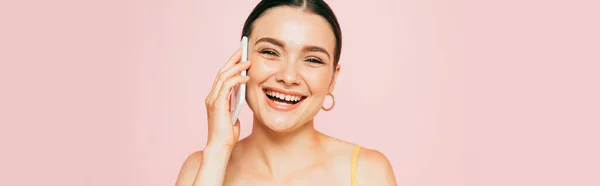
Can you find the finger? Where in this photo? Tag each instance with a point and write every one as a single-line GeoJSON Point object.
{"type": "Point", "coordinates": [234, 71]}
{"type": "Point", "coordinates": [235, 58]}
{"type": "Point", "coordinates": [221, 99]}
{"type": "Point", "coordinates": [232, 60]}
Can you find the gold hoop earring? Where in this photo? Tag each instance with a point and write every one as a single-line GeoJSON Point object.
{"type": "Point", "coordinates": [332, 103]}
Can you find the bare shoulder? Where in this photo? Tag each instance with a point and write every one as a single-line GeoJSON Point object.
{"type": "Point", "coordinates": [189, 169]}
{"type": "Point", "coordinates": [374, 168]}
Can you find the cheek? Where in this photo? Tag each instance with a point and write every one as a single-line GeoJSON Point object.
{"type": "Point", "coordinates": [317, 81]}
{"type": "Point", "coordinates": [258, 74]}
{"type": "Point", "coordinates": [259, 71]}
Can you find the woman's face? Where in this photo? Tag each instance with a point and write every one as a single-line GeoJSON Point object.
{"type": "Point", "coordinates": [292, 67]}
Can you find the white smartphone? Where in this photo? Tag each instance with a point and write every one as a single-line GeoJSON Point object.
{"type": "Point", "coordinates": [238, 98]}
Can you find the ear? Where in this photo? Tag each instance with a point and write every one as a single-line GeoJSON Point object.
{"type": "Point", "coordinates": [336, 72]}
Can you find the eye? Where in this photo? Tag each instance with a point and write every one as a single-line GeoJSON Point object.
{"type": "Point", "coordinates": [268, 52]}
{"type": "Point", "coordinates": [314, 60]}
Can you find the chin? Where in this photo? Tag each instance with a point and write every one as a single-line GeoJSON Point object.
{"type": "Point", "coordinates": [279, 124]}
{"type": "Point", "coordinates": [283, 123]}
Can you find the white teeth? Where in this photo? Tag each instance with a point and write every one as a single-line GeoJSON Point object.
{"type": "Point", "coordinates": [283, 96]}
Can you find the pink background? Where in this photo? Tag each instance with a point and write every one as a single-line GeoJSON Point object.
{"type": "Point", "coordinates": [477, 93]}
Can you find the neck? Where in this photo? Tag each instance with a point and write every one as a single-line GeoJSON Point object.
{"type": "Point", "coordinates": [281, 152]}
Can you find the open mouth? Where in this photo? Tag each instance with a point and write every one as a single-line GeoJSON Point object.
{"type": "Point", "coordinates": [283, 99]}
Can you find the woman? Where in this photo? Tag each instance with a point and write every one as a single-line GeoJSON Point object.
{"type": "Point", "coordinates": [294, 48]}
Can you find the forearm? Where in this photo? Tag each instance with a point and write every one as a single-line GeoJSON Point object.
{"type": "Point", "coordinates": [213, 168]}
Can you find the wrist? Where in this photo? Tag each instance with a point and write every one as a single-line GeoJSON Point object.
{"type": "Point", "coordinates": [219, 143]}
{"type": "Point", "coordinates": [216, 151]}
{"type": "Point", "coordinates": [214, 165]}
{"type": "Point", "coordinates": [212, 145]}
{"type": "Point", "coordinates": [217, 148]}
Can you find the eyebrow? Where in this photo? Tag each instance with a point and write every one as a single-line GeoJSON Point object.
{"type": "Point", "coordinates": [309, 48]}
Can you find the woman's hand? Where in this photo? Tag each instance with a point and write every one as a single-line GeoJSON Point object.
{"type": "Point", "coordinates": [222, 133]}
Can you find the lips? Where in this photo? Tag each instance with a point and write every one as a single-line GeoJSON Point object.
{"type": "Point", "coordinates": [282, 100]}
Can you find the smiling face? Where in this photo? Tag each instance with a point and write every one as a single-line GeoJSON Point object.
{"type": "Point", "coordinates": [292, 67]}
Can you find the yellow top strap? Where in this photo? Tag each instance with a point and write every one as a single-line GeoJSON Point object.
{"type": "Point", "coordinates": [353, 165]}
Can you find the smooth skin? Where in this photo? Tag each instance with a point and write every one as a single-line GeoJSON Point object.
{"type": "Point", "coordinates": [290, 49]}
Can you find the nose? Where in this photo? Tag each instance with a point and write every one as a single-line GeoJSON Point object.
{"type": "Point", "coordinates": [288, 74]}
